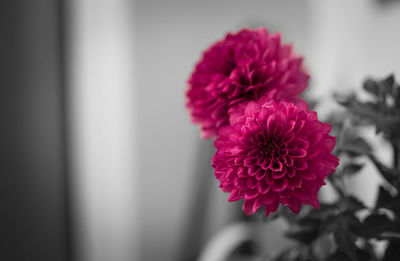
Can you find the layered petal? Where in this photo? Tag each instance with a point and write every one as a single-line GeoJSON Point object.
{"type": "Point", "coordinates": [241, 67]}
{"type": "Point", "coordinates": [277, 153]}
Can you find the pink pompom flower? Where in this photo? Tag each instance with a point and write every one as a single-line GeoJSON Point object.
{"type": "Point", "coordinates": [243, 66]}
{"type": "Point", "coordinates": [274, 152]}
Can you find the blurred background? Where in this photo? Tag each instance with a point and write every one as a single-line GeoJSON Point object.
{"type": "Point", "coordinates": [99, 160]}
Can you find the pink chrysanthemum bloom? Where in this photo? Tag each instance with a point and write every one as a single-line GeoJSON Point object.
{"type": "Point", "coordinates": [242, 67]}
{"type": "Point", "coordinates": [274, 153]}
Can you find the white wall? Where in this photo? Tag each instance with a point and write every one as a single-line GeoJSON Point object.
{"type": "Point", "coordinates": [138, 158]}
{"type": "Point", "coordinates": [351, 40]}
{"type": "Point", "coordinates": [103, 130]}
{"type": "Point", "coordinates": [170, 36]}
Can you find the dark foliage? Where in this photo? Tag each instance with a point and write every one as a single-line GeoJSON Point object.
{"type": "Point", "coordinates": [336, 231]}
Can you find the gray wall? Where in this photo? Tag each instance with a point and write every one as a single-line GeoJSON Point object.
{"type": "Point", "coordinates": [33, 182]}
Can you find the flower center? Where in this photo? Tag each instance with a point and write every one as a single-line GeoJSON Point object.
{"type": "Point", "coordinates": [272, 150]}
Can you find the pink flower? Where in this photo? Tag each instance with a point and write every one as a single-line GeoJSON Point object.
{"type": "Point", "coordinates": [242, 67]}
{"type": "Point", "coordinates": [274, 153]}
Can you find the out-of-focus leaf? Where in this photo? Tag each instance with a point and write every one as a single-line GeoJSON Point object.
{"type": "Point", "coordinates": [352, 204]}
{"type": "Point", "coordinates": [371, 86]}
{"type": "Point", "coordinates": [364, 255]}
{"type": "Point", "coordinates": [379, 112]}
{"type": "Point", "coordinates": [376, 224]}
{"type": "Point", "coordinates": [337, 184]}
{"type": "Point", "coordinates": [324, 211]}
{"type": "Point", "coordinates": [296, 253]}
{"type": "Point", "coordinates": [361, 254]}
{"type": "Point", "coordinates": [329, 225]}
{"type": "Point", "coordinates": [355, 147]}
{"type": "Point", "coordinates": [396, 97]}
{"type": "Point", "coordinates": [303, 234]}
{"type": "Point", "coordinates": [352, 168]}
{"type": "Point", "coordinates": [388, 84]}
{"type": "Point", "coordinates": [287, 214]}
{"type": "Point", "coordinates": [324, 247]}
{"type": "Point", "coordinates": [345, 242]}
{"type": "Point", "coordinates": [390, 175]}
{"type": "Point", "coordinates": [346, 220]}
{"type": "Point", "coordinates": [339, 256]}
{"type": "Point", "coordinates": [392, 252]}
{"type": "Point", "coordinates": [304, 229]}
{"type": "Point", "coordinates": [386, 200]}
{"type": "Point", "coordinates": [365, 110]}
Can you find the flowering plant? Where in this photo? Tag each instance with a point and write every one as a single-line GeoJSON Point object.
{"type": "Point", "coordinates": [274, 153]}
{"type": "Point", "coordinates": [242, 67]}
{"type": "Point", "coordinates": [272, 150]}
{"type": "Point", "coordinates": [346, 229]}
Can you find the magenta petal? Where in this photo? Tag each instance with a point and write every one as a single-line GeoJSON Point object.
{"type": "Point", "coordinates": [308, 175]}
{"type": "Point", "coordinates": [279, 174]}
{"type": "Point", "coordinates": [327, 143]}
{"type": "Point", "coordinates": [288, 161]}
{"type": "Point", "coordinates": [298, 153]}
{"type": "Point", "coordinates": [251, 183]}
{"type": "Point", "coordinates": [234, 196]}
{"type": "Point", "coordinates": [272, 207]}
{"type": "Point", "coordinates": [251, 109]}
{"type": "Point", "coordinates": [236, 150]}
{"type": "Point", "coordinates": [315, 203]}
{"type": "Point", "coordinates": [264, 114]}
{"type": "Point", "coordinates": [250, 194]}
{"type": "Point", "coordinates": [287, 193]}
{"type": "Point", "coordinates": [241, 172]}
{"type": "Point", "coordinates": [296, 181]}
{"type": "Point", "coordinates": [258, 202]}
{"type": "Point", "coordinates": [265, 164]}
{"type": "Point", "coordinates": [260, 174]}
{"type": "Point", "coordinates": [262, 187]}
{"type": "Point", "coordinates": [300, 164]}
{"type": "Point", "coordinates": [270, 121]}
{"type": "Point", "coordinates": [294, 205]}
{"type": "Point", "coordinates": [291, 172]}
{"type": "Point", "coordinates": [248, 206]}
{"type": "Point", "coordinates": [262, 166]}
{"type": "Point", "coordinates": [255, 170]}
{"type": "Point", "coordinates": [280, 184]}
{"type": "Point", "coordinates": [249, 162]}
{"type": "Point", "coordinates": [269, 179]}
{"type": "Point", "coordinates": [302, 195]}
{"type": "Point", "coordinates": [276, 166]}
{"type": "Point", "coordinates": [241, 183]}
